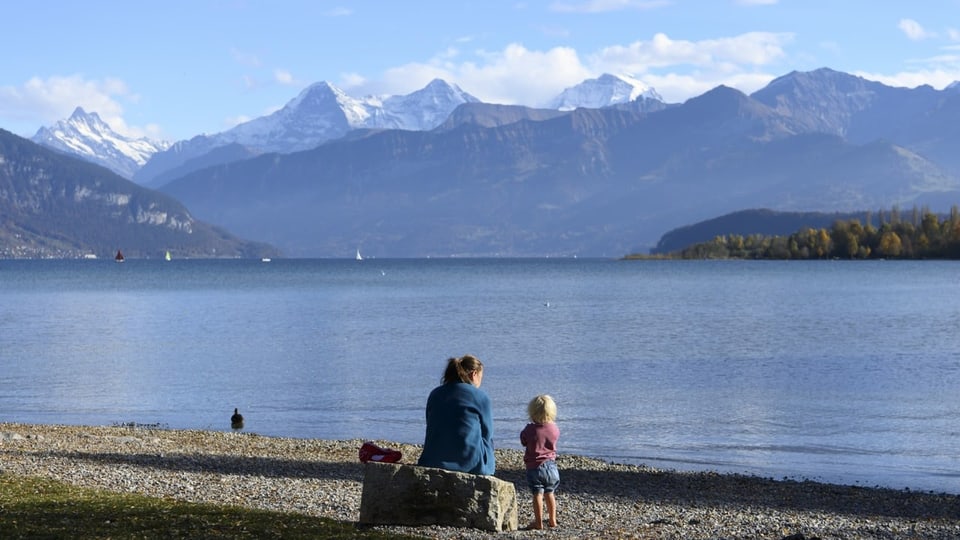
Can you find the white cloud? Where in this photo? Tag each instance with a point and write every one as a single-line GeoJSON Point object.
{"type": "Point", "coordinates": [284, 77]}
{"type": "Point", "coordinates": [751, 49]}
{"type": "Point", "coordinates": [677, 69]}
{"type": "Point", "coordinates": [49, 100]}
{"type": "Point", "coordinates": [676, 88]}
{"type": "Point", "coordinates": [515, 75]}
{"type": "Point", "coordinates": [406, 78]}
{"type": "Point", "coordinates": [914, 30]}
{"type": "Point", "coordinates": [935, 77]}
{"type": "Point", "coordinates": [680, 69]}
{"type": "Point", "coordinates": [154, 131]}
{"type": "Point", "coordinates": [601, 6]}
{"type": "Point", "coordinates": [518, 75]}
{"type": "Point", "coordinates": [352, 80]}
{"type": "Point", "coordinates": [235, 121]}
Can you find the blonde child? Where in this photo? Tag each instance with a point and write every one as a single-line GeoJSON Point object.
{"type": "Point", "coordinates": [539, 438]}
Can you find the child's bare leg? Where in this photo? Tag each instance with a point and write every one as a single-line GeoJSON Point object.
{"type": "Point", "coordinates": [551, 508]}
{"type": "Point", "coordinates": [537, 512]}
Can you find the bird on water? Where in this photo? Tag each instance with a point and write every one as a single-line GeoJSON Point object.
{"type": "Point", "coordinates": [236, 421]}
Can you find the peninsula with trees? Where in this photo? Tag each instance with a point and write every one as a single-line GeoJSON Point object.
{"type": "Point", "coordinates": [917, 234]}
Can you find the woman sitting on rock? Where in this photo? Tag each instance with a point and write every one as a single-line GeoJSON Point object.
{"type": "Point", "coordinates": [459, 433]}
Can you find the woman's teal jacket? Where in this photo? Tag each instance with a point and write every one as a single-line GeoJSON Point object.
{"type": "Point", "coordinates": [459, 433]}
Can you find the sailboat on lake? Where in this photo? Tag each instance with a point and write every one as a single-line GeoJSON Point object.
{"type": "Point", "coordinates": [119, 256]}
{"type": "Point", "coordinates": [359, 258]}
{"type": "Point", "coordinates": [167, 256]}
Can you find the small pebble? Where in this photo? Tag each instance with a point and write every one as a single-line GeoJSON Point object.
{"type": "Point", "coordinates": [596, 499]}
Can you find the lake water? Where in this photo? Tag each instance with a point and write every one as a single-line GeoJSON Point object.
{"type": "Point", "coordinates": [843, 372]}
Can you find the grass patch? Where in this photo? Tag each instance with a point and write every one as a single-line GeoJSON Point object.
{"type": "Point", "coordinates": [33, 507]}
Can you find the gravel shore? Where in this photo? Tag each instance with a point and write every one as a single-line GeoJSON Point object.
{"type": "Point", "coordinates": [596, 499]}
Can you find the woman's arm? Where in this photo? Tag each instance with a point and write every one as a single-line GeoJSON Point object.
{"type": "Point", "coordinates": [486, 432]}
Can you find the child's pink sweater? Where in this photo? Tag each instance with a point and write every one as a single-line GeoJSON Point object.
{"type": "Point", "coordinates": [540, 441]}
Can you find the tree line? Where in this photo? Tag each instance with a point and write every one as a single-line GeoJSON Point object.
{"type": "Point", "coordinates": [921, 234]}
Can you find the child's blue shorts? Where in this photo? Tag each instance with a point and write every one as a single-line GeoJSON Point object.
{"type": "Point", "coordinates": [545, 478]}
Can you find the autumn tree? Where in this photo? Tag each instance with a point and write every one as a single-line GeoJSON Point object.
{"type": "Point", "coordinates": [923, 236]}
{"type": "Point", "coordinates": [890, 244]}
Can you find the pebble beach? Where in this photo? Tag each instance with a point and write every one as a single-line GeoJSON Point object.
{"type": "Point", "coordinates": [596, 499]}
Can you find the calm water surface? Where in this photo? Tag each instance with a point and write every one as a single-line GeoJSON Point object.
{"type": "Point", "coordinates": [844, 372]}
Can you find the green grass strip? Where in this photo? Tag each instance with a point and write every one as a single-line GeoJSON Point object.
{"type": "Point", "coordinates": [33, 507]}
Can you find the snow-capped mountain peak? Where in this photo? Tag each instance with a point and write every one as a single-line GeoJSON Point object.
{"type": "Point", "coordinates": [426, 108]}
{"type": "Point", "coordinates": [603, 91]}
{"type": "Point", "coordinates": [86, 135]}
{"type": "Point", "coordinates": [322, 112]}
{"type": "Point", "coordinates": [90, 122]}
{"type": "Point", "coordinates": [323, 94]}
{"type": "Point", "coordinates": [437, 92]}
{"type": "Point", "coordinates": [305, 121]}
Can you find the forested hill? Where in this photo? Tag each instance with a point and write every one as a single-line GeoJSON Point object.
{"type": "Point", "coordinates": [57, 206]}
{"type": "Point", "coordinates": [751, 222]}
{"type": "Point", "coordinates": [917, 234]}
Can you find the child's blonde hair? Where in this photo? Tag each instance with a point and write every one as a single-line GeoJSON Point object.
{"type": "Point", "coordinates": [542, 409]}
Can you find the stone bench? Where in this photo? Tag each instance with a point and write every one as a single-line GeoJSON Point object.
{"type": "Point", "coordinates": [397, 494]}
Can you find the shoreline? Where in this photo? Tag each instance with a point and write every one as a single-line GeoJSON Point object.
{"type": "Point", "coordinates": [596, 499]}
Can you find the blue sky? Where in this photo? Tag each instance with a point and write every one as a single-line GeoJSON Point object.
{"type": "Point", "coordinates": [175, 69]}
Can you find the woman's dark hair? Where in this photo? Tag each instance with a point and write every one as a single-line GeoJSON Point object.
{"type": "Point", "coordinates": [459, 369]}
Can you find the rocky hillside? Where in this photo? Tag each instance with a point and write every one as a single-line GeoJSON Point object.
{"type": "Point", "coordinates": [55, 206]}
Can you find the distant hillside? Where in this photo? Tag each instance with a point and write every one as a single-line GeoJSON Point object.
{"type": "Point", "coordinates": [749, 222]}
{"type": "Point", "coordinates": [510, 190]}
{"type": "Point", "coordinates": [56, 206]}
{"type": "Point", "coordinates": [919, 234]}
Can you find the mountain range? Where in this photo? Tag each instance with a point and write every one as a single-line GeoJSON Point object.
{"type": "Point", "coordinates": [320, 113]}
{"type": "Point", "coordinates": [496, 180]}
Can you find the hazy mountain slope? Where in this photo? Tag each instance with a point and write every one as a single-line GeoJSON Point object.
{"type": "Point", "coordinates": [216, 156]}
{"type": "Point", "coordinates": [862, 111]}
{"type": "Point", "coordinates": [468, 190]}
{"type": "Point", "coordinates": [60, 206]}
{"type": "Point", "coordinates": [492, 115]}
{"type": "Point", "coordinates": [935, 133]}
